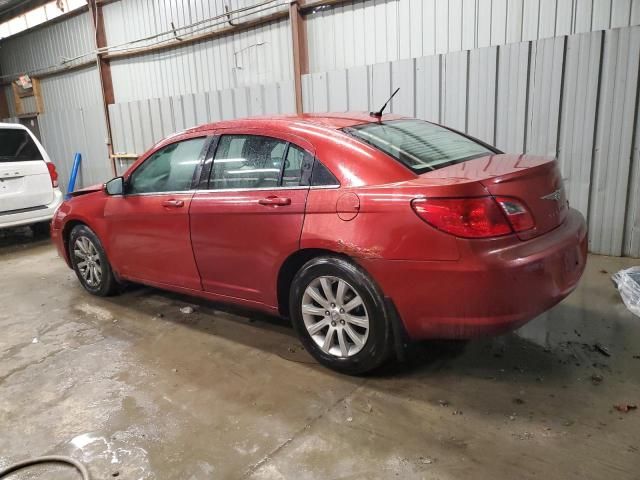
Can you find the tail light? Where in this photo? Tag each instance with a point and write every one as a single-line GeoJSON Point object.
{"type": "Point", "coordinates": [517, 213]}
{"type": "Point", "coordinates": [477, 217]}
{"type": "Point", "coordinates": [53, 174]}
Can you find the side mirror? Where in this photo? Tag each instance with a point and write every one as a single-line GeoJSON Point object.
{"type": "Point", "coordinates": [114, 186]}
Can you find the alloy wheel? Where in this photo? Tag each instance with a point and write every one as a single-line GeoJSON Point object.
{"type": "Point", "coordinates": [335, 316]}
{"type": "Point", "coordinates": [88, 263]}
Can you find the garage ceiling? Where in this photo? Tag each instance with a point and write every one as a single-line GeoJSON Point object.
{"type": "Point", "coordinates": [13, 8]}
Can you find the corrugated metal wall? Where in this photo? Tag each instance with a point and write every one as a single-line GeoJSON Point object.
{"type": "Point", "coordinates": [557, 77]}
{"type": "Point", "coordinates": [83, 130]}
{"type": "Point", "coordinates": [72, 120]}
{"type": "Point", "coordinates": [130, 20]}
{"type": "Point", "coordinates": [48, 45]}
{"type": "Point", "coordinates": [75, 89]}
{"type": "Point", "coordinates": [259, 56]}
{"type": "Point", "coordinates": [8, 91]}
{"type": "Point", "coordinates": [139, 124]}
{"type": "Point", "coordinates": [575, 97]}
{"type": "Point", "coordinates": [611, 179]}
{"type": "Point", "coordinates": [373, 31]}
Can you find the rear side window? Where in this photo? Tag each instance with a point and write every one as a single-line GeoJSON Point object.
{"type": "Point", "coordinates": [297, 167]}
{"type": "Point", "coordinates": [16, 145]}
{"type": "Point", "coordinates": [247, 161]}
{"type": "Point", "coordinates": [419, 145]}
{"type": "Point", "coordinates": [255, 161]}
{"type": "Point", "coordinates": [321, 176]}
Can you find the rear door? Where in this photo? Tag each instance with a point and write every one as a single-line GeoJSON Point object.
{"type": "Point", "coordinates": [25, 182]}
{"type": "Point", "coordinates": [250, 217]}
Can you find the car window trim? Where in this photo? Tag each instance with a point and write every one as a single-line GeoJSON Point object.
{"type": "Point", "coordinates": [158, 194]}
{"type": "Point", "coordinates": [282, 165]}
{"type": "Point", "coordinates": [194, 180]}
{"type": "Point", "coordinates": [207, 164]}
{"type": "Point", "coordinates": [297, 187]}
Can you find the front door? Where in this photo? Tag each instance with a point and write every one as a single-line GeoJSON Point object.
{"type": "Point", "coordinates": [250, 218]}
{"type": "Point", "coordinates": [148, 226]}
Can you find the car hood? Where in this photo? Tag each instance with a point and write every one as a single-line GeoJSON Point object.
{"type": "Point", "coordinates": [83, 191]}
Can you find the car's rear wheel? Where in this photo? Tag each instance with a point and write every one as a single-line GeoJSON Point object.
{"type": "Point", "coordinates": [339, 314]}
{"type": "Point", "coordinates": [90, 263]}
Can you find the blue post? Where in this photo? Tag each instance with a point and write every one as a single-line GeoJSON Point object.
{"type": "Point", "coordinates": [74, 173]}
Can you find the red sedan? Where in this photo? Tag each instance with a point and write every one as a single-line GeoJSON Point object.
{"type": "Point", "coordinates": [367, 232]}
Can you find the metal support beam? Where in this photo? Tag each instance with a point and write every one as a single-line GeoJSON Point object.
{"type": "Point", "coordinates": [37, 94]}
{"type": "Point", "coordinates": [310, 5]}
{"type": "Point", "coordinates": [104, 71]}
{"type": "Point", "coordinates": [4, 105]}
{"type": "Point", "coordinates": [17, 100]}
{"type": "Point", "coordinates": [184, 41]}
{"type": "Point", "coordinates": [300, 52]}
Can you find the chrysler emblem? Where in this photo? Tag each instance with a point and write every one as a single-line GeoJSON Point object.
{"type": "Point", "coordinates": [555, 195]}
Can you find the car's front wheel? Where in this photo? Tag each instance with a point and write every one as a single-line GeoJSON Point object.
{"type": "Point", "coordinates": [90, 263]}
{"type": "Point", "coordinates": [339, 314]}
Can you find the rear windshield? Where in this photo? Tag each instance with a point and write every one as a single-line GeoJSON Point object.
{"type": "Point", "coordinates": [17, 146]}
{"type": "Point", "coordinates": [419, 145]}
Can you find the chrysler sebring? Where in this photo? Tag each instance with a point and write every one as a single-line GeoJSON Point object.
{"type": "Point", "coordinates": [366, 231]}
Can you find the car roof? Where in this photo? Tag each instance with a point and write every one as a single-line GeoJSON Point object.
{"type": "Point", "coordinates": [16, 126]}
{"type": "Point", "coordinates": [332, 121]}
{"type": "Point", "coordinates": [321, 132]}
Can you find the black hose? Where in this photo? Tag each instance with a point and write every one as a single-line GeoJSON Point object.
{"type": "Point", "coordinates": [48, 459]}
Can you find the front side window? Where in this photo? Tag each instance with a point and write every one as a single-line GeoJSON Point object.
{"type": "Point", "coordinates": [419, 145]}
{"type": "Point", "coordinates": [170, 169]}
{"type": "Point", "coordinates": [16, 145]}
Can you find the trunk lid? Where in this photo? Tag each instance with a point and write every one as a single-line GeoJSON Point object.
{"type": "Point", "coordinates": [24, 177]}
{"type": "Point", "coordinates": [534, 180]}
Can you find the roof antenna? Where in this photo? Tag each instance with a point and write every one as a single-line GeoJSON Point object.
{"type": "Point", "coordinates": [378, 114]}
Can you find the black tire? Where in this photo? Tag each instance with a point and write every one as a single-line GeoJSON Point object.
{"type": "Point", "coordinates": [107, 284]}
{"type": "Point", "coordinates": [378, 342]}
{"type": "Point", "coordinates": [41, 229]}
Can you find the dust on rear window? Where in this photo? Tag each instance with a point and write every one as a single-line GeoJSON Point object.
{"type": "Point", "coordinates": [419, 145]}
{"type": "Point", "coordinates": [17, 146]}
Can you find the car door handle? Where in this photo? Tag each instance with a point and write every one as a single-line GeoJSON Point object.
{"type": "Point", "coordinates": [275, 201]}
{"type": "Point", "coordinates": [173, 203]}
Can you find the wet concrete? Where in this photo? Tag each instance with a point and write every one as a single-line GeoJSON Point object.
{"type": "Point", "coordinates": [135, 388]}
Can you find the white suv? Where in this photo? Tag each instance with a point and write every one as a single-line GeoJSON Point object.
{"type": "Point", "coordinates": [29, 193]}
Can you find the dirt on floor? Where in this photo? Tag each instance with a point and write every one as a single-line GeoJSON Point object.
{"type": "Point", "coordinates": [137, 389]}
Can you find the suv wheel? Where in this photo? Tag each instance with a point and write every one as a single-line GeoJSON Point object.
{"type": "Point", "coordinates": [339, 314]}
{"type": "Point", "coordinates": [90, 263]}
{"type": "Point", "coordinates": [41, 229]}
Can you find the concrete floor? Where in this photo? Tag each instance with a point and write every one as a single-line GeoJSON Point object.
{"type": "Point", "coordinates": [138, 390]}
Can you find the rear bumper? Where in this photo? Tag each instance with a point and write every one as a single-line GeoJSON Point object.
{"type": "Point", "coordinates": [32, 216]}
{"type": "Point", "coordinates": [493, 288]}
